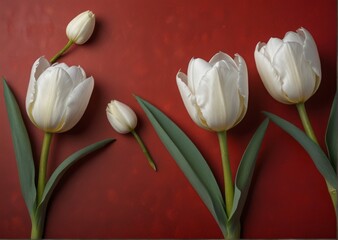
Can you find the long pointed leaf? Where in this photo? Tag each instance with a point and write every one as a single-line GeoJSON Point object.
{"type": "Point", "coordinates": [245, 171]}
{"type": "Point", "coordinates": [23, 150]}
{"type": "Point", "coordinates": [332, 134]}
{"type": "Point", "coordinates": [318, 156]}
{"type": "Point", "coordinates": [64, 166]}
{"type": "Point", "coordinates": [190, 161]}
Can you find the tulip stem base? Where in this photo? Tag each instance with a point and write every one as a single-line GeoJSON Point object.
{"type": "Point", "coordinates": [311, 134]}
{"type": "Point", "coordinates": [43, 165]}
{"type": "Point", "coordinates": [233, 231]}
{"type": "Point", "coordinates": [145, 150]}
{"type": "Point", "coordinates": [228, 184]}
{"type": "Point", "coordinates": [37, 227]}
{"type": "Point", "coordinates": [62, 51]}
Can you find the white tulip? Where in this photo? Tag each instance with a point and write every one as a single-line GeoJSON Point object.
{"type": "Point", "coordinates": [57, 95]}
{"type": "Point", "coordinates": [81, 27]}
{"type": "Point", "coordinates": [289, 67]}
{"type": "Point", "coordinates": [121, 117]}
{"type": "Point", "coordinates": [215, 93]}
{"type": "Point", "coordinates": [124, 120]}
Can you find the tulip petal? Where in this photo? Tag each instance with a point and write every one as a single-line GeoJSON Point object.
{"type": "Point", "coordinates": [243, 85]}
{"type": "Point", "coordinates": [218, 98]}
{"type": "Point", "coordinates": [220, 56]}
{"type": "Point", "coordinates": [61, 65]}
{"type": "Point", "coordinates": [298, 79]}
{"type": "Point", "coordinates": [311, 53]}
{"type": "Point", "coordinates": [76, 104]}
{"type": "Point", "coordinates": [77, 74]}
{"type": "Point", "coordinates": [39, 66]}
{"type": "Point", "coordinates": [189, 100]}
{"type": "Point", "coordinates": [197, 68]}
{"type": "Point", "coordinates": [270, 49]}
{"type": "Point", "coordinates": [294, 37]}
{"type": "Point", "coordinates": [243, 88]}
{"type": "Point", "coordinates": [269, 76]}
{"type": "Point", "coordinates": [53, 87]}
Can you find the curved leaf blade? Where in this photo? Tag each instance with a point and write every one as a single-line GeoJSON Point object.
{"type": "Point", "coordinates": [317, 155]}
{"type": "Point", "coordinates": [64, 166]}
{"type": "Point", "coordinates": [22, 148]}
{"type": "Point", "coordinates": [331, 138]}
{"type": "Point", "coordinates": [245, 171]}
{"type": "Point", "coordinates": [190, 161]}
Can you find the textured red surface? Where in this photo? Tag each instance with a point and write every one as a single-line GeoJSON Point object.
{"type": "Point", "coordinates": [137, 48]}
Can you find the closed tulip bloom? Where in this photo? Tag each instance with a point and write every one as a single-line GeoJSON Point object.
{"type": "Point", "coordinates": [81, 27]}
{"type": "Point", "coordinates": [289, 67]}
{"type": "Point", "coordinates": [215, 93]}
{"type": "Point", "coordinates": [57, 95]}
{"type": "Point", "coordinates": [121, 117]}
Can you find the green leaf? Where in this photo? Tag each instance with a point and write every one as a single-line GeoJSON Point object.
{"type": "Point", "coordinates": [332, 134]}
{"type": "Point", "coordinates": [190, 161]}
{"type": "Point", "coordinates": [64, 166]}
{"type": "Point", "coordinates": [245, 171]}
{"type": "Point", "coordinates": [318, 156]}
{"type": "Point", "coordinates": [22, 148]}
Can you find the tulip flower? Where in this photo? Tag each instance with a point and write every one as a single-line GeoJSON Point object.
{"type": "Point", "coordinates": [57, 95]}
{"type": "Point", "coordinates": [289, 67]}
{"type": "Point", "coordinates": [78, 31]}
{"type": "Point", "coordinates": [124, 120]}
{"type": "Point", "coordinates": [215, 93]}
{"type": "Point", "coordinates": [81, 27]}
{"type": "Point", "coordinates": [291, 72]}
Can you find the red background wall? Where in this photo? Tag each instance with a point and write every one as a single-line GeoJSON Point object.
{"type": "Point", "coordinates": [137, 48]}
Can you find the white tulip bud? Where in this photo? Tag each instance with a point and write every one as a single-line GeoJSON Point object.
{"type": "Point", "coordinates": [81, 27]}
{"type": "Point", "coordinates": [121, 117]}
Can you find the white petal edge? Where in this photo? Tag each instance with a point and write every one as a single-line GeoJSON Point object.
{"type": "Point", "coordinates": [311, 52]}
{"type": "Point", "coordinates": [269, 76]}
{"type": "Point", "coordinates": [188, 98]}
{"type": "Point", "coordinates": [77, 103]}
{"type": "Point", "coordinates": [39, 66]}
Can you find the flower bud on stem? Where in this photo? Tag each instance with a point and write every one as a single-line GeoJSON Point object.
{"type": "Point", "coordinates": [145, 150]}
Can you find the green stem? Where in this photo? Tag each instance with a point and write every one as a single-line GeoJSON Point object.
{"type": "Point", "coordinates": [43, 164]}
{"type": "Point", "coordinates": [311, 134]}
{"type": "Point", "coordinates": [36, 232]}
{"type": "Point", "coordinates": [63, 50]}
{"type": "Point", "coordinates": [144, 150]}
{"type": "Point", "coordinates": [228, 184]}
{"type": "Point", "coordinates": [233, 230]}
{"type": "Point", "coordinates": [306, 122]}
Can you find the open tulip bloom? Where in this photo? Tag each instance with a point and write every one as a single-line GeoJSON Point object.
{"type": "Point", "coordinates": [57, 95]}
{"type": "Point", "coordinates": [215, 94]}
{"type": "Point", "coordinates": [291, 72]}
